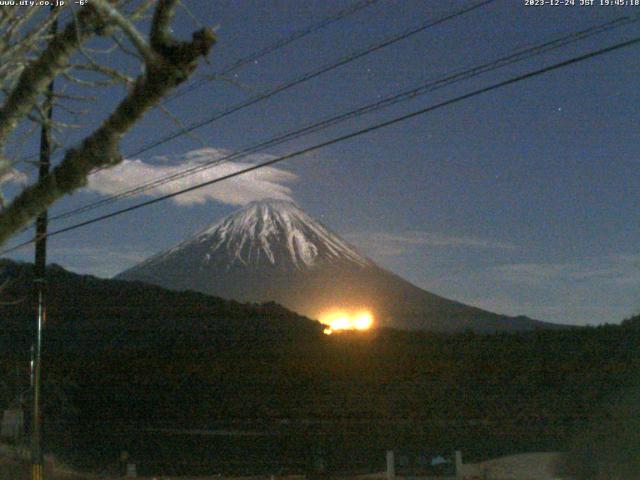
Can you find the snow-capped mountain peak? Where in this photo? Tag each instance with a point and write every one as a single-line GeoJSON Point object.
{"type": "Point", "coordinates": [273, 251]}
{"type": "Point", "coordinates": [274, 233]}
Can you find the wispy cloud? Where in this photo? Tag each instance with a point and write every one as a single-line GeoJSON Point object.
{"type": "Point", "coordinates": [267, 182]}
{"type": "Point", "coordinates": [101, 261]}
{"type": "Point", "coordinates": [14, 176]}
{"type": "Point", "coordinates": [11, 177]}
{"type": "Point", "coordinates": [394, 244]}
{"type": "Point", "coordinates": [557, 310]}
{"type": "Point", "coordinates": [616, 269]}
{"type": "Point", "coordinates": [585, 291]}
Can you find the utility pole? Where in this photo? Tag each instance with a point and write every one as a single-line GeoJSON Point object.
{"type": "Point", "coordinates": [37, 464]}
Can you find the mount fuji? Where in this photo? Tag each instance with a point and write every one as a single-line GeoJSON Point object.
{"type": "Point", "coordinates": [273, 251]}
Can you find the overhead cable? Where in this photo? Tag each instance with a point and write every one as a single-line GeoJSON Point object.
{"type": "Point", "coordinates": [342, 138]}
{"type": "Point", "coordinates": [406, 95]}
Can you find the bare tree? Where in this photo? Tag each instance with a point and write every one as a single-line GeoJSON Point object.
{"type": "Point", "coordinates": [79, 56]}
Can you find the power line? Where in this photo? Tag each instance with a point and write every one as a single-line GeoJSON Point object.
{"type": "Point", "coordinates": [313, 74]}
{"type": "Point", "coordinates": [430, 86]}
{"type": "Point", "coordinates": [344, 13]}
{"type": "Point", "coordinates": [278, 44]}
{"type": "Point", "coordinates": [342, 138]}
{"type": "Point", "coordinates": [308, 76]}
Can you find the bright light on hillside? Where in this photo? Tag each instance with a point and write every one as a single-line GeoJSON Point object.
{"type": "Point", "coordinates": [340, 320]}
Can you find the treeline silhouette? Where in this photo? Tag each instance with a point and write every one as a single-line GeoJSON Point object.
{"type": "Point", "coordinates": [262, 390]}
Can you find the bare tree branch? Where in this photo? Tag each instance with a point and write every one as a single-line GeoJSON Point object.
{"type": "Point", "coordinates": [171, 63]}
{"type": "Point", "coordinates": [135, 37]}
{"type": "Point", "coordinates": [36, 77]}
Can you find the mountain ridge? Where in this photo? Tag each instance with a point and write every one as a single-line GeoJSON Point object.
{"type": "Point", "coordinates": [271, 250]}
{"type": "Point", "coordinates": [255, 224]}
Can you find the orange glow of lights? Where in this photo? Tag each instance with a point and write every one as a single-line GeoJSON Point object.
{"type": "Point", "coordinates": [341, 320]}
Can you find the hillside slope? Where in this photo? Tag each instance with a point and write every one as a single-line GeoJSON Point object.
{"type": "Point", "coordinates": [273, 251]}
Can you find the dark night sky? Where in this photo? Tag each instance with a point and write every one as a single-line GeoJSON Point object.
{"type": "Point", "coordinates": [522, 201]}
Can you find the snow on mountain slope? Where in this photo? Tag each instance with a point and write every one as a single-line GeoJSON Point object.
{"type": "Point", "coordinates": [275, 233]}
{"type": "Point", "coordinates": [272, 251]}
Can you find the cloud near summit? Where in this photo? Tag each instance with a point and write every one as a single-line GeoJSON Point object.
{"type": "Point", "coordinates": [385, 244]}
{"type": "Point", "coordinates": [266, 182]}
